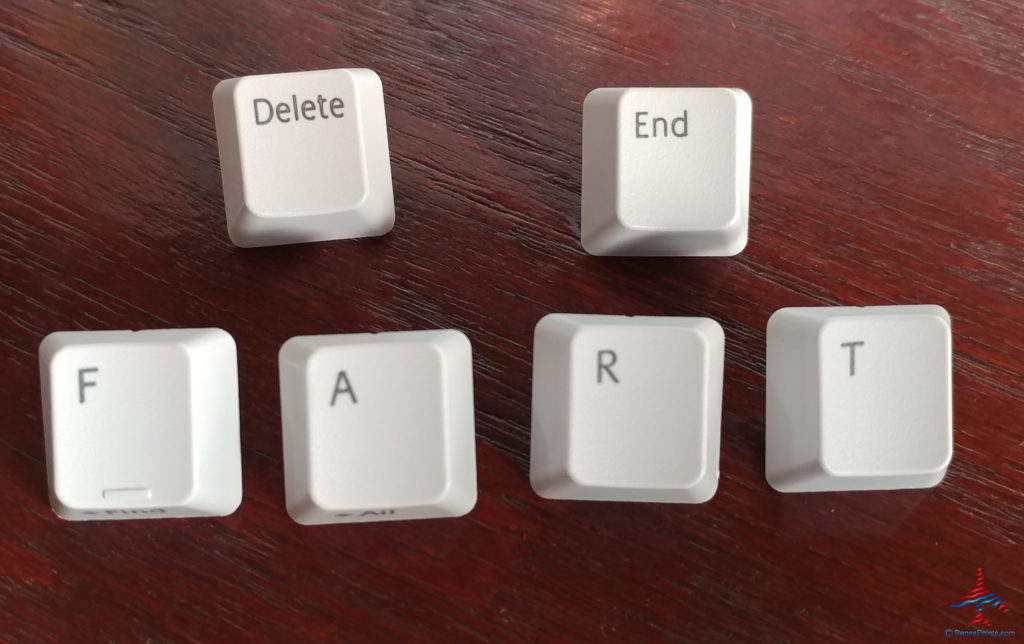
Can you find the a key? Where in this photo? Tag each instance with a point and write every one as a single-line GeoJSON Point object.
{"type": "Point", "coordinates": [141, 424]}
{"type": "Point", "coordinates": [304, 156]}
{"type": "Point", "coordinates": [666, 171]}
{"type": "Point", "coordinates": [858, 398]}
{"type": "Point", "coordinates": [626, 408]}
{"type": "Point", "coordinates": [378, 427]}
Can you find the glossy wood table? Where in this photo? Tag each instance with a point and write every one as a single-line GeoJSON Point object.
{"type": "Point", "coordinates": [887, 169]}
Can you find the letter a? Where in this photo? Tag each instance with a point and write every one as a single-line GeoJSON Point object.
{"type": "Point", "coordinates": [344, 387]}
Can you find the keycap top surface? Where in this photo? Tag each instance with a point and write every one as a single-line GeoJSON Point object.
{"type": "Point", "coordinates": [304, 156]}
{"type": "Point", "coordinates": [378, 426]}
{"type": "Point", "coordinates": [141, 424]}
{"type": "Point", "coordinates": [626, 408]}
{"type": "Point", "coordinates": [666, 171]}
{"type": "Point", "coordinates": [858, 398]}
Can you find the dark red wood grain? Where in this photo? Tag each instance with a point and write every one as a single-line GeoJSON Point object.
{"type": "Point", "coordinates": [887, 168]}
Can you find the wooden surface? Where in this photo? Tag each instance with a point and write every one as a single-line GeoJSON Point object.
{"type": "Point", "coordinates": [887, 168]}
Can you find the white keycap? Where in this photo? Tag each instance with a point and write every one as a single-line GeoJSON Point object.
{"type": "Point", "coordinates": [858, 398]}
{"type": "Point", "coordinates": [141, 424]}
{"type": "Point", "coordinates": [378, 427]}
{"type": "Point", "coordinates": [626, 408]}
{"type": "Point", "coordinates": [304, 156]}
{"type": "Point", "coordinates": [666, 171]}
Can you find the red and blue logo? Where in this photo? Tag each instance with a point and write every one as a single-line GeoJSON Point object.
{"type": "Point", "coordinates": [981, 600]}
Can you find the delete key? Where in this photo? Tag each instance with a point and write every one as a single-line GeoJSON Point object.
{"type": "Point", "coordinates": [304, 157]}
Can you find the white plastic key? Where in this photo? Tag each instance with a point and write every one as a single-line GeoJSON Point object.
{"type": "Point", "coordinates": [141, 424]}
{"type": "Point", "coordinates": [304, 156]}
{"type": "Point", "coordinates": [858, 398]}
{"type": "Point", "coordinates": [378, 427]}
{"type": "Point", "coordinates": [626, 408]}
{"type": "Point", "coordinates": [666, 171]}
